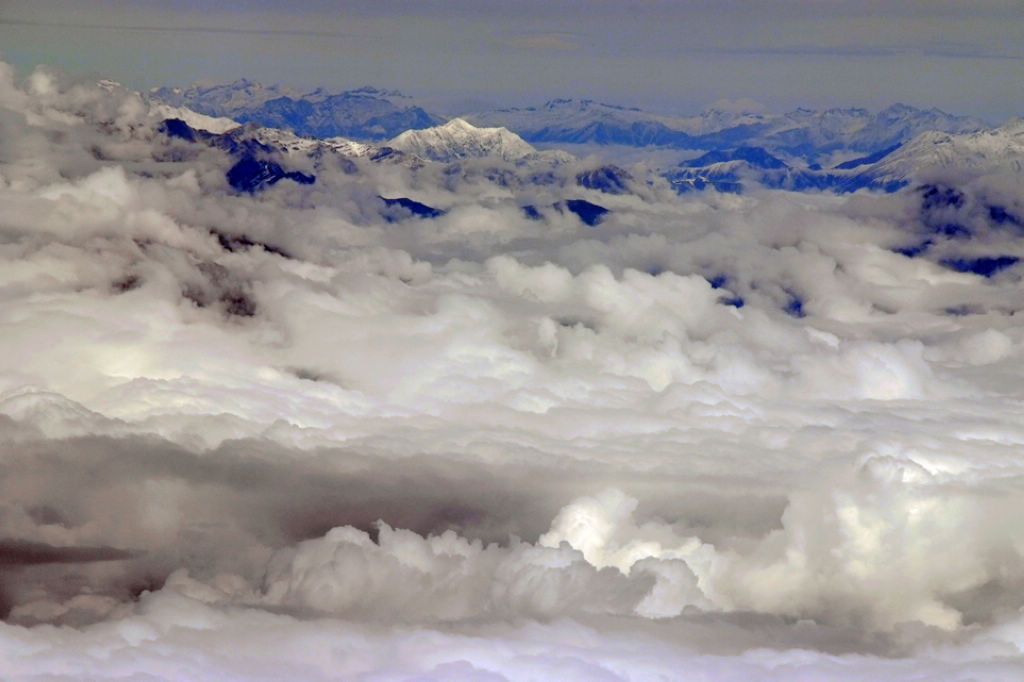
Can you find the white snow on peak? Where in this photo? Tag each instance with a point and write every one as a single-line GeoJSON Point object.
{"type": "Point", "coordinates": [996, 150]}
{"type": "Point", "coordinates": [463, 125]}
{"type": "Point", "coordinates": [289, 141]}
{"type": "Point", "coordinates": [458, 139]}
{"type": "Point", "coordinates": [213, 124]}
{"type": "Point", "coordinates": [1014, 126]}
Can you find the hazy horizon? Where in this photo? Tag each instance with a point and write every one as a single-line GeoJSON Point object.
{"type": "Point", "coordinates": [671, 58]}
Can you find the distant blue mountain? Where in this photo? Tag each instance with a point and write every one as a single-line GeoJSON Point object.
{"type": "Point", "coordinates": [608, 179]}
{"type": "Point", "coordinates": [363, 114]}
{"type": "Point", "coordinates": [251, 174]}
{"type": "Point", "coordinates": [741, 150]}
{"type": "Point", "coordinates": [369, 113]}
{"type": "Point", "coordinates": [802, 133]}
{"type": "Point", "coordinates": [756, 157]}
{"type": "Point", "coordinates": [403, 207]}
{"type": "Point", "coordinates": [175, 127]}
{"type": "Point", "coordinates": [591, 214]}
{"type": "Point", "coordinates": [733, 170]}
{"type": "Point", "coordinates": [869, 159]}
{"type": "Point", "coordinates": [957, 227]}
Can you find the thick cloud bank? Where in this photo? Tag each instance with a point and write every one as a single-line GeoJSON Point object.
{"type": "Point", "coordinates": [285, 430]}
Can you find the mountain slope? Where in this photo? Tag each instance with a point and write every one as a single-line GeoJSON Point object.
{"type": "Point", "coordinates": [586, 121]}
{"type": "Point", "coordinates": [954, 158]}
{"type": "Point", "coordinates": [930, 157]}
{"type": "Point", "coordinates": [804, 133]}
{"type": "Point", "coordinates": [824, 137]}
{"type": "Point", "coordinates": [458, 139]}
{"type": "Point", "coordinates": [364, 113]}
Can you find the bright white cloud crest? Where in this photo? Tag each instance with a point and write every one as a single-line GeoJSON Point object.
{"type": "Point", "coordinates": [730, 437]}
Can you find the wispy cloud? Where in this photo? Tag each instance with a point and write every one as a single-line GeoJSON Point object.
{"type": "Point", "coordinates": [543, 41]}
{"type": "Point", "coordinates": [176, 29]}
{"type": "Point", "coordinates": [948, 50]}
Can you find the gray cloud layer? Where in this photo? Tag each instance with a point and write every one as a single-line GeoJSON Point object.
{"type": "Point", "coordinates": [483, 446]}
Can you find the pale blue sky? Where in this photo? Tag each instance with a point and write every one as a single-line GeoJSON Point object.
{"type": "Point", "coordinates": [962, 56]}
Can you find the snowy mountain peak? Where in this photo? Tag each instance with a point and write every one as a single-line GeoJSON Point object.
{"type": "Point", "coordinates": [1014, 126]}
{"type": "Point", "coordinates": [461, 124]}
{"type": "Point", "coordinates": [459, 139]}
{"type": "Point", "coordinates": [213, 124]}
{"type": "Point", "coordinates": [961, 156]}
{"type": "Point", "coordinates": [290, 142]}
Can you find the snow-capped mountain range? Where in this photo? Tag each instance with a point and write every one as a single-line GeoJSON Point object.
{"type": "Point", "coordinates": [930, 156]}
{"type": "Point", "coordinates": [365, 113]}
{"type": "Point", "coordinates": [935, 154]}
{"type": "Point", "coordinates": [562, 121]}
{"type": "Point", "coordinates": [825, 137]}
{"type": "Point", "coordinates": [454, 141]}
{"type": "Point", "coordinates": [814, 136]}
{"type": "Point", "coordinates": [835, 149]}
{"type": "Point", "coordinates": [287, 141]}
{"type": "Point", "coordinates": [859, 129]}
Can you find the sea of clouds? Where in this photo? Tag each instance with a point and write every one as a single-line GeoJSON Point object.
{"type": "Point", "coordinates": [485, 447]}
